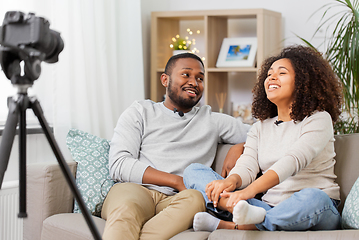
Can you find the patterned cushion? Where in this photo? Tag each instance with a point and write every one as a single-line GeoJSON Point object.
{"type": "Point", "coordinates": [92, 175]}
{"type": "Point", "coordinates": [350, 214]}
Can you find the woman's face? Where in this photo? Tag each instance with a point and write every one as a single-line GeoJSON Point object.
{"type": "Point", "coordinates": [279, 85]}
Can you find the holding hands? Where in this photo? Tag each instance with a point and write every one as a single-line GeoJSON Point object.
{"type": "Point", "coordinates": [235, 197]}
{"type": "Point", "coordinates": [224, 188]}
{"type": "Point", "coordinates": [215, 188]}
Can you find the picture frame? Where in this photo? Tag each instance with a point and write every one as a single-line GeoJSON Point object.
{"type": "Point", "coordinates": [237, 52]}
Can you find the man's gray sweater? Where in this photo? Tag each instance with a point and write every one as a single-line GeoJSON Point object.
{"type": "Point", "coordinates": [149, 134]}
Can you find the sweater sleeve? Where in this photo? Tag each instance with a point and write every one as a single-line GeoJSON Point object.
{"type": "Point", "coordinates": [230, 130]}
{"type": "Point", "coordinates": [125, 146]}
{"type": "Point", "coordinates": [316, 132]}
{"type": "Point", "coordinates": [247, 166]}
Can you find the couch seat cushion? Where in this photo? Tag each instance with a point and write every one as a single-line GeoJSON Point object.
{"type": "Point", "coordinates": [191, 235]}
{"type": "Point", "coordinates": [69, 226]}
{"type": "Point", "coordinates": [283, 235]}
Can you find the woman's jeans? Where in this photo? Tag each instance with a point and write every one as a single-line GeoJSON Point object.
{"type": "Point", "coordinates": [308, 209]}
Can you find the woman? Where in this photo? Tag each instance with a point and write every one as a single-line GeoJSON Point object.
{"type": "Point", "coordinates": [297, 98]}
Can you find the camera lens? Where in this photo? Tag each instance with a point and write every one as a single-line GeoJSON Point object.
{"type": "Point", "coordinates": [56, 45]}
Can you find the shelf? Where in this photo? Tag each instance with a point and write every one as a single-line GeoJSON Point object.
{"type": "Point", "coordinates": [234, 69]}
{"type": "Point", "coordinates": [241, 69]}
{"type": "Point", "coordinates": [263, 24]}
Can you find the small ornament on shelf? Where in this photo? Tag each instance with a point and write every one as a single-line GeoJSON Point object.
{"type": "Point", "coordinates": [221, 99]}
{"type": "Point", "coordinates": [244, 112]}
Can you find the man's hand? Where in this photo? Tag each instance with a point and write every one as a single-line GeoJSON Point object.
{"type": "Point", "coordinates": [156, 177]}
{"type": "Point", "coordinates": [180, 185]}
{"type": "Point", "coordinates": [233, 154]}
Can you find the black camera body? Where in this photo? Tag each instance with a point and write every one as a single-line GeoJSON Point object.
{"type": "Point", "coordinates": [25, 37]}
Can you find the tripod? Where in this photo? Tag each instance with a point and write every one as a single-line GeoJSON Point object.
{"type": "Point", "coordinates": [28, 40]}
{"type": "Point", "coordinates": [17, 114]}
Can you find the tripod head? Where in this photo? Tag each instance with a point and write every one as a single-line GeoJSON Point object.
{"type": "Point", "coordinates": [27, 39]}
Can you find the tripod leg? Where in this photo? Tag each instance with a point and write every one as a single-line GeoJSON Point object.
{"type": "Point", "coordinates": [23, 103]}
{"type": "Point", "coordinates": [35, 105]}
{"type": "Point", "coordinates": [8, 137]}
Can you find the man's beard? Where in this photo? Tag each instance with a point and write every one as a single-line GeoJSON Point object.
{"type": "Point", "coordinates": [184, 103]}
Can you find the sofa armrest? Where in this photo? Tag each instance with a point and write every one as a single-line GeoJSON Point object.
{"type": "Point", "coordinates": [221, 154]}
{"type": "Point", "coordinates": [47, 194]}
{"type": "Point", "coordinates": [347, 164]}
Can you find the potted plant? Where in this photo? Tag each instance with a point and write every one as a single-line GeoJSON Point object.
{"type": "Point", "coordinates": [342, 51]}
{"type": "Point", "coordinates": [180, 44]}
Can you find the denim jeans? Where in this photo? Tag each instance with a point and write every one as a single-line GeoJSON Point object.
{"type": "Point", "coordinates": [308, 209]}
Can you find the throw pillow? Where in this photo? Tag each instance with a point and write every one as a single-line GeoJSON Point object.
{"type": "Point", "coordinates": [350, 214]}
{"type": "Point", "coordinates": [92, 174]}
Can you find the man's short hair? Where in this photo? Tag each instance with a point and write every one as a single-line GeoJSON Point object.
{"type": "Point", "coordinates": [171, 62]}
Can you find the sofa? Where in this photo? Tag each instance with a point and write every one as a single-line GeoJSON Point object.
{"type": "Point", "coordinates": [50, 202]}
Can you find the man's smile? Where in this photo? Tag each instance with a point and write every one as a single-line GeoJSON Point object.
{"type": "Point", "coordinates": [192, 92]}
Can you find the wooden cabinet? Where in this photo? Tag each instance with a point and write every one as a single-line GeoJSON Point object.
{"type": "Point", "coordinates": [265, 25]}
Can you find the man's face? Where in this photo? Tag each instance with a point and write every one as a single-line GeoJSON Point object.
{"type": "Point", "coordinates": [185, 84]}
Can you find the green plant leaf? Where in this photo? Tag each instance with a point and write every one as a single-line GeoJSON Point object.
{"type": "Point", "coordinates": [342, 51]}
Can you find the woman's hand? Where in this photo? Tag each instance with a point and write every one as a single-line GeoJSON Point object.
{"type": "Point", "coordinates": [235, 197]}
{"type": "Point", "coordinates": [215, 188]}
{"type": "Point", "coordinates": [262, 184]}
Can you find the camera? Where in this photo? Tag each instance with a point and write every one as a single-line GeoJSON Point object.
{"type": "Point", "coordinates": [28, 30]}
{"type": "Point", "coordinates": [25, 37]}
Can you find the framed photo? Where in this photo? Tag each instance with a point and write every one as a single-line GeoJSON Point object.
{"type": "Point", "coordinates": [237, 52]}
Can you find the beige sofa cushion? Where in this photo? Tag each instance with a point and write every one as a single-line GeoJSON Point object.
{"type": "Point", "coordinates": [347, 163]}
{"type": "Point", "coordinates": [283, 235]}
{"type": "Point", "coordinates": [47, 194]}
{"type": "Point", "coordinates": [69, 226]}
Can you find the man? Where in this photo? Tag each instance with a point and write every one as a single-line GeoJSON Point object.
{"type": "Point", "coordinates": [152, 144]}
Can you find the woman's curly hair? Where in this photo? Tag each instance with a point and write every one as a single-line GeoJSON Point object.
{"type": "Point", "coordinates": [317, 87]}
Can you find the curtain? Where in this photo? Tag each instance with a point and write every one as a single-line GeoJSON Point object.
{"type": "Point", "coordinates": [99, 72]}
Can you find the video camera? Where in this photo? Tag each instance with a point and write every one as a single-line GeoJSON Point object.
{"type": "Point", "coordinates": [25, 37]}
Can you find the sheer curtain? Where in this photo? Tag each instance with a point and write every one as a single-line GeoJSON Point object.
{"type": "Point", "coordinates": [100, 70]}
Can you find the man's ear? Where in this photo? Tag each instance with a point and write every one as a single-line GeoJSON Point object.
{"type": "Point", "coordinates": [164, 79]}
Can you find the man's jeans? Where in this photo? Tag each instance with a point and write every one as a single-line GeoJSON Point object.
{"type": "Point", "coordinates": [308, 209]}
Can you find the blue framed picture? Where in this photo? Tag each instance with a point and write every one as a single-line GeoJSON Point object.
{"type": "Point", "coordinates": [237, 52]}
